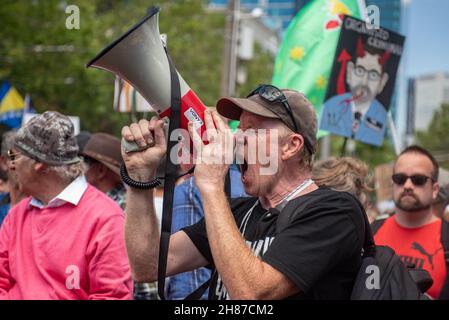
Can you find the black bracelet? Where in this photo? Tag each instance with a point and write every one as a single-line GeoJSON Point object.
{"type": "Point", "coordinates": [137, 184]}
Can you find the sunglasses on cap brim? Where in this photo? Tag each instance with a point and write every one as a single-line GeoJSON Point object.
{"type": "Point", "coordinates": [273, 94]}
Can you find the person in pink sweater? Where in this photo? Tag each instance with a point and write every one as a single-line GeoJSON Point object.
{"type": "Point", "coordinates": [66, 240]}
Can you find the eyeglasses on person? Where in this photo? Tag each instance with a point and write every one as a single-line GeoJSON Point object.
{"type": "Point", "coordinates": [417, 179]}
{"type": "Point", "coordinates": [373, 75]}
{"type": "Point", "coordinates": [13, 155]}
{"type": "Point", "coordinates": [273, 94]}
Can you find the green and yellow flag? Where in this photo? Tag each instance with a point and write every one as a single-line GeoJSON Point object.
{"type": "Point", "coordinates": [305, 58]}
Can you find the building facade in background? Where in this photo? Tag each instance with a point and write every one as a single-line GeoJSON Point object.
{"type": "Point", "coordinates": [390, 13]}
{"type": "Point", "coordinates": [278, 13]}
{"type": "Point", "coordinates": [428, 93]}
{"type": "Point", "coordinates": [410, 124]}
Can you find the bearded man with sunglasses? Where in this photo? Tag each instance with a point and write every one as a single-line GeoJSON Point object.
{"type": "Point", "coordinates": [414, 232]}
{"type": "Point", "coordinates": [290, 239]}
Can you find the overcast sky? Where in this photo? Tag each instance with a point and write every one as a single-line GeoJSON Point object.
{"type": "Point", "coordinates": [426, 25]}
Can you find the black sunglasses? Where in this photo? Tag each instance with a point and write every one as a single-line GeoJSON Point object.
{"type": "Point", "coordinates": [273, 94]}
{"type": "Point", "coordinates": [417, 179]}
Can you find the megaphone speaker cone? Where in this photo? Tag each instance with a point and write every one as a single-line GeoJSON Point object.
{"type": "Point", "coordinates": [140, 58]}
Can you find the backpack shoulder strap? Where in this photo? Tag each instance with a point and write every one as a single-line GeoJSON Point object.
{"type": "Point", "coordinates": [376, 225]}
{"type": "Point", "coordinates": [198, 292]}
{"type": "Point", "coordinates": [444, 294]}
{"type": "Point", "coordinates": [445, 239]}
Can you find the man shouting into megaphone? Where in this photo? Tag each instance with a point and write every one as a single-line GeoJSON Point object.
{"type": "Point", "coordinates": [290, 239]}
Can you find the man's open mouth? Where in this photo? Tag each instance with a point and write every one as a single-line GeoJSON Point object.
{"type": "Point", "coordinates": [243, 167]}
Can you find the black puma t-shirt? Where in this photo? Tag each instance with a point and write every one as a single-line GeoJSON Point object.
{"type": "Point", "coordinates": [317, 245]}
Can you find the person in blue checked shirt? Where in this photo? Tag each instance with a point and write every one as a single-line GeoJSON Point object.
{"type": "Point", "coordinates": [188, 210]}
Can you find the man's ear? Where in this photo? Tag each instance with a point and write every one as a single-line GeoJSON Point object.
{"type": "Point", "coordinates": [383, 82]}
{"type": "Point", "coordinates": [40, 167]}
{"type": "Point", "coordinates": [292, 146]}
{"type": "Point", "coordinates": [435, 191]}
{"type": "Point", "coordinates": [349, 70]}
{"type": "Point", "coordinates": [102, 170]}
{"type": "Point", "coordinates": [3, 164]}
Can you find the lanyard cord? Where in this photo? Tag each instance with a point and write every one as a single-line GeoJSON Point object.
{"type": "Point", "coordinates": [305, 184]}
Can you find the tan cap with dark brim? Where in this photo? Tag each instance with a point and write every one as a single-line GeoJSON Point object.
{"type": "Point", "coordinates": [232, 108]}
{"type": "Point", "coordinates": [304, 116]}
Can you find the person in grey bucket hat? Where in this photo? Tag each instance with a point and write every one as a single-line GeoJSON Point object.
{"type": "Point", "coordinates": [49, 138]}
{"type": "Point", "coordinates": [65, 226]}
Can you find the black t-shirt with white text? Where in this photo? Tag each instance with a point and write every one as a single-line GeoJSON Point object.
{"type": "Point", "coordinates": [318, 248]}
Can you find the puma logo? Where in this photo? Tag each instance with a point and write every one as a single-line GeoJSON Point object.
{"type": "Point", "coordinates": [420, 249]}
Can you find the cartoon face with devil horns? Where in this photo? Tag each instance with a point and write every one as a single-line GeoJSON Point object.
{"type": "Point", "coordinates": [366, 77]}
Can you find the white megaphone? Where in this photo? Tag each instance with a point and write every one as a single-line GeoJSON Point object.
{"type": "Point", "coordinates": [139, 57]}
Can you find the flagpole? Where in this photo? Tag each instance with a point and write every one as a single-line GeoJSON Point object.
{"type": "Point", "coordinates": [325, 151]}
{"type": "Point", "coordinates": [229, 57]}
{"type": "Point", "coordinates": [362, 9]}
{"type": "Point", "coordinates": [343, 147]}
{"type": "Point", "coordinates": [394, 133]}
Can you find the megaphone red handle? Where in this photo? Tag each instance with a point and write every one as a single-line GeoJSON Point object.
{"type": "Point", "coordinates": [192, 109]}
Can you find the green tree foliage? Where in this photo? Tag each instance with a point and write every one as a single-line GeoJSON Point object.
{"type": "Point", "coordinates": [435, 138]}
{"type": "Point", "coordinates": [371, 155]}
{"type": "Point", "coordinates": [40, 56]}
{"type": "Point", "coordinates": [375, 156]}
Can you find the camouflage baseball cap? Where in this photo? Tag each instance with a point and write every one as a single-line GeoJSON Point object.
{"type": "Point", "coordinates": [49, 138]}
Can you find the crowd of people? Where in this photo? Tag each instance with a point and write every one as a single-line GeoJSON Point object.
{"type": "Point", "coordinates": [76, 226]}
